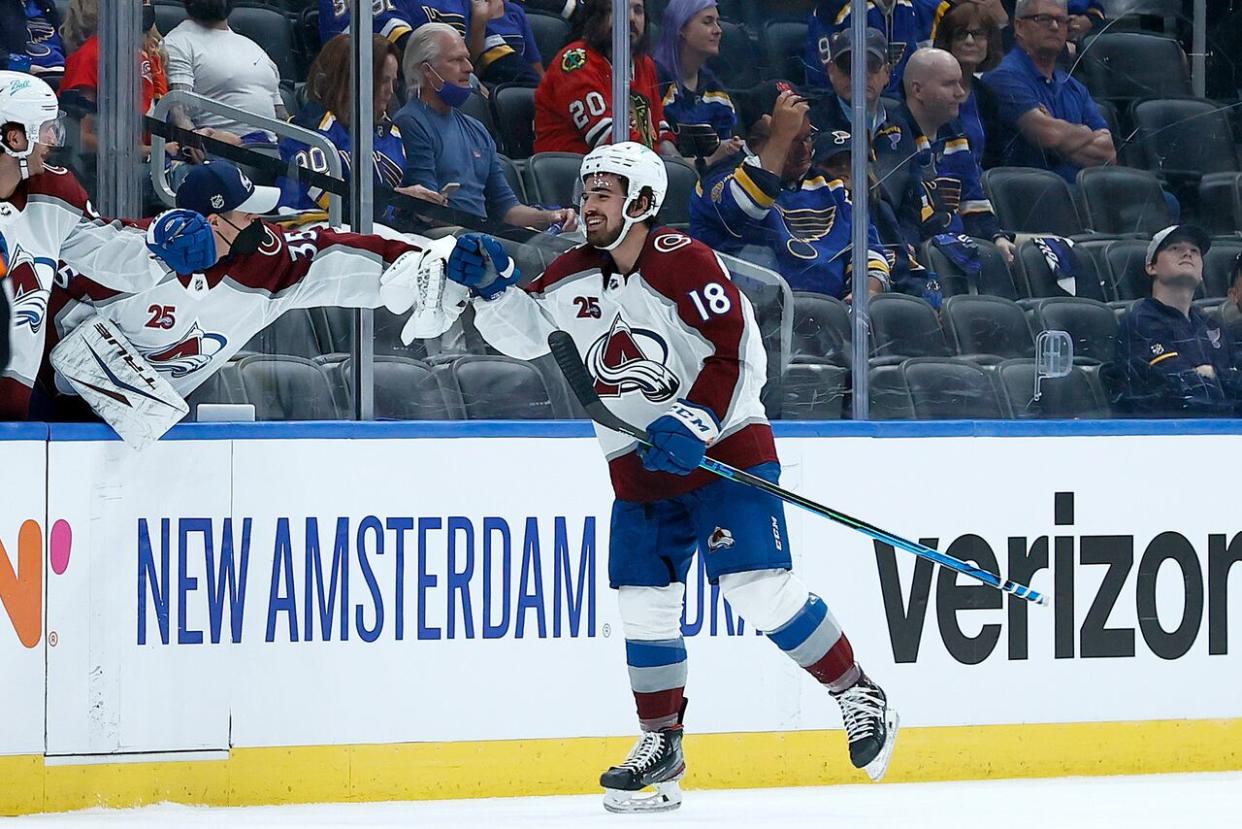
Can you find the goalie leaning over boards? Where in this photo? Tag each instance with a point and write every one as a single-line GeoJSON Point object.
{"type": "Point", "coordinates": [185, 328]}
{"type": "Point", "coordinates": [673, 346]}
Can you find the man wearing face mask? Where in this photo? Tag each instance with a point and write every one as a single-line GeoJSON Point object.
{"type": "Point", "coordinates": [190, 324]}
{"type": "Point", "coordinates": [208, 58]}
{"type": "Point", "coordinates": [444, 146]}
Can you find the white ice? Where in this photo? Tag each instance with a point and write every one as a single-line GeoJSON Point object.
{"type": "Point", "coordinates": [1174, 801]}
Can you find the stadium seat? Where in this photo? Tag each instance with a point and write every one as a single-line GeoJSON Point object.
{"type": "Point", "coordinates": [1040, 281]}
{"type": "Point", "coordinates": [501, 388]}
{"type": "Point", "coordinates": [513, 113]}
{"type": "Point", "coordinates": [1219, 211]}
{"type": "Point", "coordinates": [291, 333]}
{"type": "Point", "coordinates": [1121, 200]}
{"type": "Point", "coordinates": [1218, 266]}
{"type": "Point", "coordinates": [334, 328]}
{"type": "Point", "coordinates": [784, 44]}
{"type": "Point", "coordinates": [274, 32]}
{"type": "Point", "coordinates": [1076, 395]}
{"type": "Point", "coordinates": [513, 175]}
{"type": "Point", "coordinates": [736, 65]}
{"type": "Point", "coordinates": [821, 329]}
{"type": "Point", "coordinates": [387, 335]}
{"type": "Point", "coordinates": [552, 178]}
{"type": "Point", "coordinates": [1127, 268]}
{"type": "Point", "coordinates": [306, 35]}
{"type": "Point", "coordinates": [988, 326]}
{"type": "Point", "coordinates": [889, 397]}
{"type": "Point", "coordinates": [551, 34]}
{"type": "Point", "coordinates": [1185, 139]}
{"type": "Point", "coordinates": [994, 279]}
{"type": "Point", "coordinates": [224, 386]}
{"type": "Point", "coordinates": [681, 183]}
{"type": "Point", "coordinates": [813, 392]}
{"type": "Point", "coordinates": [1090, 323]}
{"type": "Point", "coordinates": [950, 390]}
{"type": "Point", "coordinates": [168, 15]}
{"type": "Point", "coordinates": [1129, 65]}
{"type": "Point", "coordinates": [405, 389]}
{"type": "Point", "coordinates": [286, 388]}
{"type": "Point", "coordinates": [1027, 200]}
{"type": "Point", "coordinates": [477, 107]}
{"type": "Point", "coordinates": [905, 326]}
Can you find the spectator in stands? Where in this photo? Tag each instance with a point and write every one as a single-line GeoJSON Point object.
{"type": "Point", "coordinates": [510, 53]}
{"type": "Point", "coordinates": [969, 30]}
{"type": "Point", "coordinates": [327, 112]}
{"type": "Point", "coordinates": [208, 58]}
{"type": "Point", "coordinates": [1174, 360]}
{"type": "Point", "coordinates": [905, 24]}
{"type": "Point", "coordinates": [573, 105]}
{"type": "Point", "coordinates": [80, 86]}
{"type": "Point", "coordinates": [692, 95]}
{"type": "Point", "coordinates": [771, 197]}
{"type": "Point", "coordinates": [1085, 17]}
{"type": "Point", "coordinates": [397, 19]}
{"type": "Point", "coordinates": [948, 195]}
{"type": "Point", "coordinates": [30, 39]}
{"type": "Point", "coordinates": [1047, 118]}
{"type": "Point", "coordinates": [450, 157]}
{"type": "Point", "coordinates": [1231, 308]}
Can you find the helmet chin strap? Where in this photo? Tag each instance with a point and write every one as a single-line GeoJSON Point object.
{"type": "Point", "coordinates": [23, 160]}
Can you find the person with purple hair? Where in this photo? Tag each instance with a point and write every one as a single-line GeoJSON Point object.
{"type": "Point", "coordinates": [692, 93]}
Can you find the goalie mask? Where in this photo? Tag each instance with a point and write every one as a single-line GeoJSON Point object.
{"type": "Point", "coordinates": [29, 102]}
{"type": "Point", "coordinates": [640, 169]}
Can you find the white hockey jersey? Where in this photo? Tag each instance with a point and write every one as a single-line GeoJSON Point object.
{"type": "Point", "coordinates": [187, 327]}
{"type": "Point", "coordinates": [47, 220]}
{"type": "Point", "coordinates": [676, 327]}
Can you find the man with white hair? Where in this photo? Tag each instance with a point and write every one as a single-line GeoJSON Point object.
{"type": "Point", "coordinates": [1048, 119]}
{"type": "Point", "coordinates": [450, 159]}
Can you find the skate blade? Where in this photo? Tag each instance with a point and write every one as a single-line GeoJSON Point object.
{"type": "Point", "coordinates": [665, 798]}
{"type": "Point", "coordinates": [877, 767]}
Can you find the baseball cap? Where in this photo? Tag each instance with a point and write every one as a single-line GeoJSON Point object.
{"type": "Point", "coordinates": [842, 44]}
{"type": "Point", "coordinates": [1178, 233]}
{"type": "Point", "coordinates": [829, 143]}
{"type": "Point", "coordinates": [760, 100]}
{"type": "Point", "coordinates": [219, 186]}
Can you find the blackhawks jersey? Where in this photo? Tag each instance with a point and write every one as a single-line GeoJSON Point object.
{"type": "Point", "coordinates": [573, 105]}
{"type": "Point", "coordinates": [47, 220]}
{"type": "Point", "coordinates": [674, 328]}
{"type": "Point", "coordinates": [188, 326]}
{"type": "Point", "coordinates": [906, 24]}
{"type": "Point", "coordinates": [807, 226]}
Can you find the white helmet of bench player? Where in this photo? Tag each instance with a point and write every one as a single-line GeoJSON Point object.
{"type": "Point", "coordinates": [31, 103]}
{"type": "Point", "coordinates": [641, 169]}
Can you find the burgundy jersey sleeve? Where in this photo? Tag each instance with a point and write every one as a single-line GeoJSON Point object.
{"type": "Point", "coordinates": [285, 257]}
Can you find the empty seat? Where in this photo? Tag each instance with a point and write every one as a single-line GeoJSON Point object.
{"type": "Point", "coordinates": [889, 397]}
{"type": "Point", "coordinates": [551, 33]}
{"type": "Point", "coordinates": [1041, 281]}
{"type": "Point", "coordinates": [224, 386]}
{"type": "Point", "coordinates": [477, 107]}
{"type": "Point", "coordinates": [1076, 395]}
{"type": "Point", "coordinates": [552, 178]}
{"type": "Point", "coordinates": [513, 113]}
{"type": "Point", "coordinates": [821, 329]}
{"type": "Point", "coordinates": [681, 183]}
{"type": "Point", "coordinates": [1129, 65]}
{"type": "Point", "coordinates": [513, 175]}
{"type": "Point", "coordinates": [271, 30]}
{"type": "Point", "coordinates": [784, 44]}
{"type": "Point", "coordinates": [286, 388]}
{"type": "Point", "coordinates": [994, 277]}
{"type": "Point", "coordinates": [813, 392]}
{"type": "Point", "coordinates": [1185, 138]}
{"type": "Point", "coordinates": [291, 333]}
{"type": "Point", "coordinates": [906, 326]}
{"type": "Point", "coordinates": [1126, 260]}
{"type": "Point", "coordinates": [1027, 200]}
{"type": "Point", "coordinates": [404, 389]}
{"type": "Point", "coordinates": [1218, 266]}
{"type": "Point", "coordinates": [950, 390]}
{"type": "Point", "coordinates": [1091, 324]}
{"type": "Point", "coordinates": [501, 388]}
{"type": "Point", "coordinates": [1122, 200]}
{"type": "Point", "coordinates": [736, 65]}
{"type": "Point", "coordinates": [988, 326]}
{"type": "Point", "coordinates": [168, 16]}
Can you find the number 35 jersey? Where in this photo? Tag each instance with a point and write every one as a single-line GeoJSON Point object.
{"type": "Point", "coordinates": [675, 328]}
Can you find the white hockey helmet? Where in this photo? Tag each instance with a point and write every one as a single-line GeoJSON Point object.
{"type": "Point", "coordinates": [640, 167]}
{"type": "Point", "coordinates": [30, 102]}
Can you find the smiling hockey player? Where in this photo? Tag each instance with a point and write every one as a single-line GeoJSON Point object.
{"type": "Point", "coordinates": [673, 346]}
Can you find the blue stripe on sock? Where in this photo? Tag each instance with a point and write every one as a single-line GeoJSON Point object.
{"type": "Point", "coordinates": [798, 629]}
{"type": "Point", "coordinates": [653, 654]}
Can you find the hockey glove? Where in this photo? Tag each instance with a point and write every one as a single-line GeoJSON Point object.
{"type": "Point", "coordinates": [183, 240]}
{"type": "Point", "coordinates": [480, 263]}
{"type": "Point", "coordinates": [679, 439]}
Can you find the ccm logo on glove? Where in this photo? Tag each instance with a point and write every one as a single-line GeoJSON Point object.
{"type": "Point", "coordinates": [679, 439]}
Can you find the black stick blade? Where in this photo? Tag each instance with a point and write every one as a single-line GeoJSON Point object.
{"type": "Point", "coordinates": [576, 375]}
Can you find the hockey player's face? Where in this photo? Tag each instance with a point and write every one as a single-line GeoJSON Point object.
{"type": "Point", "coordinates": [603, 200]}
{"type": "Point", "coordinates": [15, 138]}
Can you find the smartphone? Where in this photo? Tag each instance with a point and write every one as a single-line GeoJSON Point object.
{"type": "Point", "coordinates": [449, 189]}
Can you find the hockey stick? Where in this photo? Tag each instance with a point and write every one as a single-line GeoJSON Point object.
{"type": "Point", "coordinates": [583, 385]}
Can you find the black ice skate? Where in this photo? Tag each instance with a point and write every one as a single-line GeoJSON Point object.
{"type": "Point", "coordinates": [870, 724]}
{"type": "Point", "coordinates": [656, 760]}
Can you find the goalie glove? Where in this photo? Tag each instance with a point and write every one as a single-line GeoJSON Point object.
{"type": "Point", "coordinates": [416, 283]}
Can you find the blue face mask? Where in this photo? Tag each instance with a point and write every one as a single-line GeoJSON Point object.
{"type": "Point", "coordinates": [450, 93]}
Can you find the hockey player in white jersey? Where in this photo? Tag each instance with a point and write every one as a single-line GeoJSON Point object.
{"type": "Point", "coordinates": [46, 217]}
{"type": "Point", "coordinates": [187, 326]}
{"type": "Point", "coordinates": [673, 346]}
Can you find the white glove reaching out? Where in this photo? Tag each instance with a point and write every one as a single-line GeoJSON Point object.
{"type": "Point", "coordinates": [415, 282]}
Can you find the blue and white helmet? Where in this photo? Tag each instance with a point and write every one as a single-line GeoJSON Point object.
{"type": "Point", "coordinates": [30, 102]}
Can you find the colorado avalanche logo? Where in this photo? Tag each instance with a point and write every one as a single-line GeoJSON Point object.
{"type": "Point", "coordinates": [186, 357]}
{"type": "Point", "coordinates": [719, 539]}
{"type": "Point", "coordinates": [621, 364]}
{"type": "Point", "coordinates": [29, 296]}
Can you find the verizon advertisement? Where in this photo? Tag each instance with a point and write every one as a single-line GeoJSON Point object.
{"type": "Point", "coordinates": [267, 592]}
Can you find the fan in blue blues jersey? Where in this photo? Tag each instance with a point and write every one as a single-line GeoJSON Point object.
{"type": "Point", "coordinates": [510, 53]}
{"type": "Point", "coordinates": [905, 23]}
{"type": "Point", "coordinates": [327, 113]}
{"type": "Point", "coordinates": [395, 19]}
{"type": "Point", "coordinates": [30, 39]}
{"type": "Point", "coordinates": [692, 93]}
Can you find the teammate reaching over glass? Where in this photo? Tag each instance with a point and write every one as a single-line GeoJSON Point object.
{"type": "Point", "coordinates": [673, 346]}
